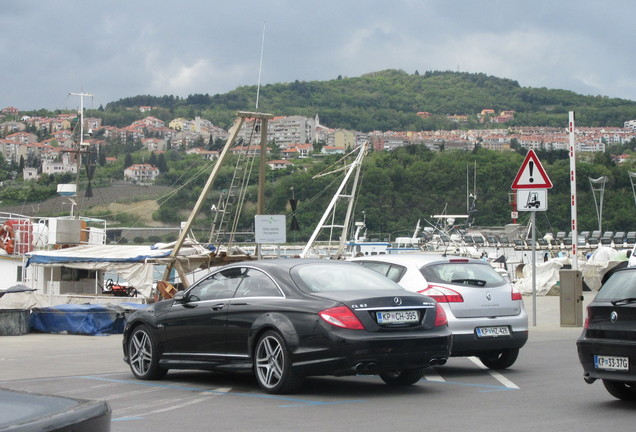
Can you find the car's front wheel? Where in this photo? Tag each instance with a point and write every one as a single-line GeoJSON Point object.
{"type": "Point", "coordinates": [272, 365]}
{"type": "Point", "coordinates": [143, 356]}
{"type": "Point", "coordinates": [500, 359]}
{"type": "Point", "coordinates": [621, 390]}
{"type": "Point", "coordinates": [402, 377]}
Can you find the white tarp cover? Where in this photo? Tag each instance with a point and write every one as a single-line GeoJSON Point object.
{"type": "Point", "coordinates": [547, 275]}
{"type": "Point", "coordinates": [599, 262]}
{"type": "Point", "coordinates": [130, 262]}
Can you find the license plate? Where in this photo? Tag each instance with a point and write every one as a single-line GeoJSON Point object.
{"type": "Point", "coordinates": [611, 363]}
{"type": "Point", "coordinates": [493, 331]}
{"type": "Point", "coordinates": [398, 317]}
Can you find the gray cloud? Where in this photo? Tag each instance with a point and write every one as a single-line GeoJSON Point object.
{"type": "Point", "coordinates": [120, 48]}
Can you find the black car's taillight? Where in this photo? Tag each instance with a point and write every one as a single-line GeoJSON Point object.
{"type": "Point", "coordinates": [342, 317]}
{"type": "Point", "coordinates": [440, 316]}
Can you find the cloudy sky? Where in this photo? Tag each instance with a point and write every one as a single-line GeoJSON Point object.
{"type": "Point", "coordinates": [121, 48]}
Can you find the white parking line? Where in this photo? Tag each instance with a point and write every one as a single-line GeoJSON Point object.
{"type": "Point", "coordinates": [431, 374]}
{"type": "Point", "coordinates": [496, 375]}
{"type": "Point", "coordinates": [173, 403]}
{"type": "Point", "coordinates": [87, 389]}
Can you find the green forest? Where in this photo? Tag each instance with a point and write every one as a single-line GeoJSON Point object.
{"type": "Point", "coordinates": [412, 183]}
{"type": "Point", "coordinates": [389, 100]}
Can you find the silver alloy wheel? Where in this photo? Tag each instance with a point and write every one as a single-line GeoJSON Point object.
{"type": "Point", "coordinates": [270, 361]}
{"type": "Point", "coordinates": [140, 352]}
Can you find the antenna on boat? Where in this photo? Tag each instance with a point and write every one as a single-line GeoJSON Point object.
{"type": "Point", "coordinates": [260, 68]}
{"type": "Point", "coordinates": [81, 95]}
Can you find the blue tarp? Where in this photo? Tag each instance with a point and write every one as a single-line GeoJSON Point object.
{"type": "Point", "coordinates": [87, 319]}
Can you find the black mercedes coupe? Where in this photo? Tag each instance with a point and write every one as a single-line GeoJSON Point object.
{"type": "Point", "coordinates": [286, 319]}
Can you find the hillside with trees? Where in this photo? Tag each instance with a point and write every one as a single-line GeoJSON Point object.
{"type": "Point", "coordinates": [398, 188]}
{"type": "Point", "coordinates": [390, 100]}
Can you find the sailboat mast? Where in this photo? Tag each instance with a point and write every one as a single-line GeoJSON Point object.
{"type": "Point", "coordinates": [81, 144]}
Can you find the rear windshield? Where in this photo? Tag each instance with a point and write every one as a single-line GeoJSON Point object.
{"type": "Point", "coordinates": [620, 285]}
{"type": "Point", "coordinates": [325, 277]}
{"type": "Point", "coordinates": [463, 273]}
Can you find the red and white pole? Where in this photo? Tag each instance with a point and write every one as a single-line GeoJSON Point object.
{"type": "Point", "coordinates": [575, 260]}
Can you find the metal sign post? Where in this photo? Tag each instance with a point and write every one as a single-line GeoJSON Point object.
{"type": "Point", "coordinates": [531, 184]}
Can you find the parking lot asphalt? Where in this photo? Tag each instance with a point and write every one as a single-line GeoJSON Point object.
{"type": "Point", "coordinates": [41, 355]}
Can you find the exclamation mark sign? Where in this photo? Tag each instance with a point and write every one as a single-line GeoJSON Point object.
{"type": "Point", "coordinates": [531, 167]}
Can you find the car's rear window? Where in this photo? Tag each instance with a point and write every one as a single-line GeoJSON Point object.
{"type": "Point", "coordinates": [620, 285]}
{"type": "Point", "coordinates": [462, 273]}
{"type": "Point", "coordinates": [324, 277]}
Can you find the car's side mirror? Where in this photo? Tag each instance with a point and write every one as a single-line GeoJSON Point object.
{"type": "Point", "coordinates": [179, 297]}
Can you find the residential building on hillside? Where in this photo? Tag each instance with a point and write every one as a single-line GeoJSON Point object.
{"type": "Point", "coordinates": [91, 124]}
{"type": "Point", "coordinates": [113, 133]}
{"type": "Point", "coordinates": [22, 137]}
{"type": "Point", "coordinates": [67, 165]}
{"type": "Point", "coordinates": [10, 111]}
{"type": "Point", "coordinates": [154, 144]}
{"type": "Point", "coordinates": [253, 150]}
{"type": "Point", "coordinates": [332, 150]}
{"type": "Point", "coordinates": [141, 173]}
{"type": "Point", "coordinates": [13, 151]}
{"type": "Point", "coordinates": [282, 130]}
{"type": "Point", "coordinates": [29, 173]}
{"type": "Point", "coordinates": [630, 124]}
{"type": "Point", "coordinates": [279, 164]}
{"type": "Point", "coordinates": [11, 126]}
{"type": "Point", "coordinates": [153, 122]}
{"type": "Point", "coordinates": [185, 140]}
{"type": "Point", "coordinates": [344, 139]}
{"type": "Point", "coordinates": [205, 154]}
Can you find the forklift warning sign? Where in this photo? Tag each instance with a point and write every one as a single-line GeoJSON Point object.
{"type": "Point", "coordinates": [531, 175]}
{"type": "Point", "coordinates": [532, 200]}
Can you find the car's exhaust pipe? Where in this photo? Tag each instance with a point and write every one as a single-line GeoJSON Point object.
{"type": "Point", "coordinates": [366, 367]}
{"type": "Point", "coordinates": [437, 361]}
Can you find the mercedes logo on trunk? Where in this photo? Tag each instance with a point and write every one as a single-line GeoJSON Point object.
{"type": "Point", "coordinates": [397, 300]}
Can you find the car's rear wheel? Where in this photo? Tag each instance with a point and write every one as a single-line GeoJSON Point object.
{"type": "Point", "coordinates": [143, 356]}
{"type": "Point", "coordinates": [500, 359]}
{"type": "Point", "coordinates": [272, 365]}
{"type": "Point", "coordinates": [621, 390]}
{"type": "Point", "coordinates": [402, 377]}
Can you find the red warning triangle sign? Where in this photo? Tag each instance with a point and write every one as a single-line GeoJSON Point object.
{"type": "Point", "coordinates": [531, 175]}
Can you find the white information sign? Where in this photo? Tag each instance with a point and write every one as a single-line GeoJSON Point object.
{"type": "Point", "coordinates": [532, 200]}
{"type": "Point", "coordinates": [270, 228]}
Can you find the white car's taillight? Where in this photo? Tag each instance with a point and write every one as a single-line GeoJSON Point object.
{"type": "Point", "coordinates": [442, 294]}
